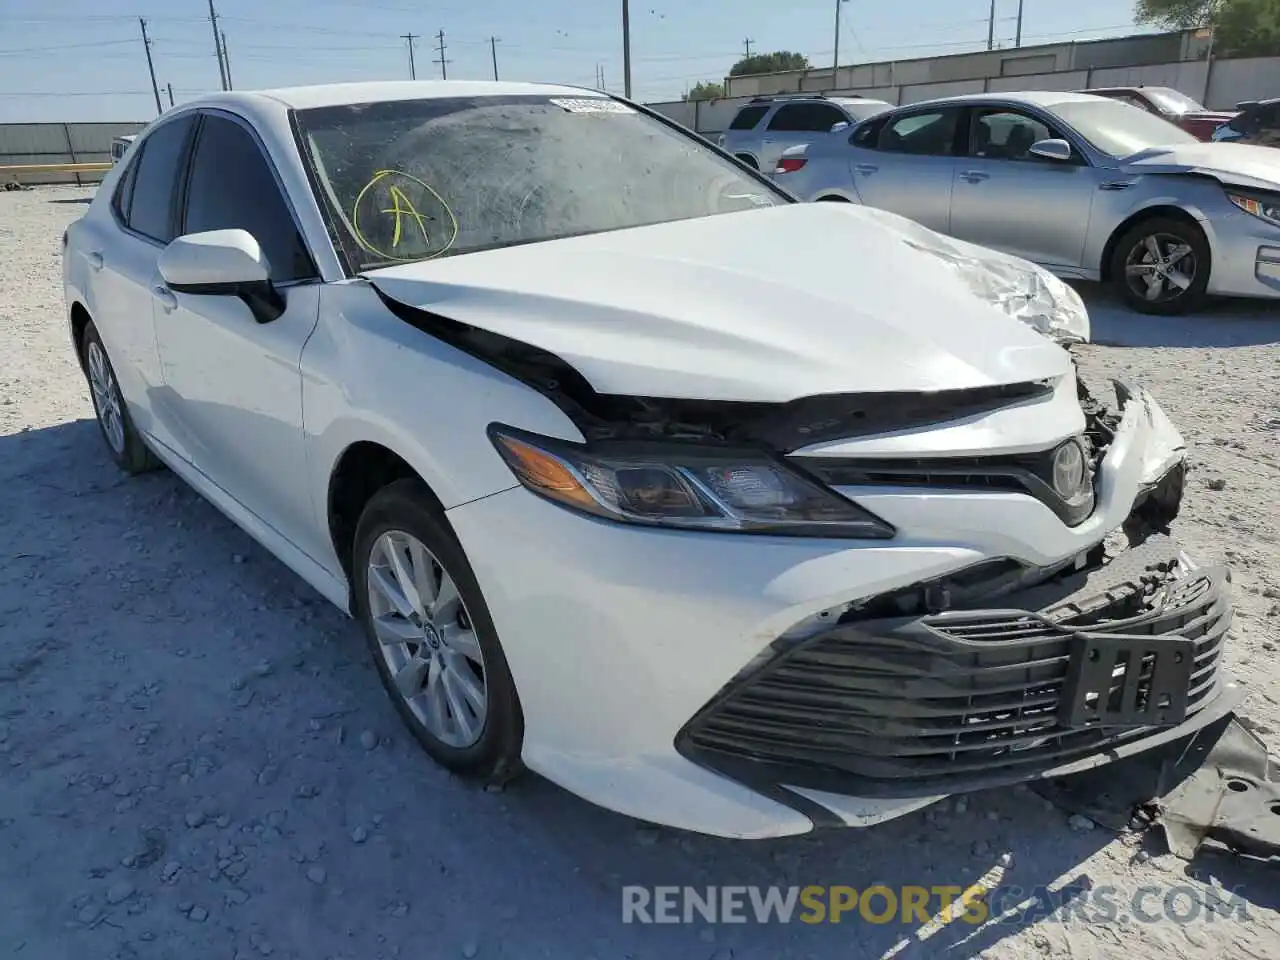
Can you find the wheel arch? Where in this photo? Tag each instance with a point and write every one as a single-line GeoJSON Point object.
{"type": "Point", "coordinates": [362, 469]}
{"type": "Point", "coordinates": [80, 320]}
{"type": "Point", "coordinates": [1146, 213]}
{"type": "Point", "coordinates": [745, 156]}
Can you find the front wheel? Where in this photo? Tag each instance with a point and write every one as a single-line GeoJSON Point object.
{"type": "Point", "coordinates": [1161, 266]}
{"type": "Point", "coordinates": [431, 635]}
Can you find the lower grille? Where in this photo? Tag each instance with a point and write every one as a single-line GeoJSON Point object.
{"type": "Point", "coordinates": [951, 701]}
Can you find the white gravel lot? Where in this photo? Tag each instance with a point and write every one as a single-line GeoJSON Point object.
{"type": "Point", "coordinates": [196, 759]}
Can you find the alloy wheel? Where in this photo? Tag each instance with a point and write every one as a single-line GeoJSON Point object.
{"type": "Point", "coordinates": [1161, 268]}
{"type": "Point", "coordinates": [426, 638]}
{"type": "Point", "coordinates": [106, 397]}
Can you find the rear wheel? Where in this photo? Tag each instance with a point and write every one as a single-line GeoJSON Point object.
{"type": "Point", "coordinates": [1161, 266]}
{"type": "Point", "coordinates": [431, 636]}
{"type": "Point", "coordinates": [749, 160]}
{"type": "Point", "coordinates": [124, 443]}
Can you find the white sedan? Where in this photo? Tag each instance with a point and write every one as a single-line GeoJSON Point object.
{"type": "Point", "coordinates": [720, 510]}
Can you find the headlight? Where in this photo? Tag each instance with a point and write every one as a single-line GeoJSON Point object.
{"type": "Point", "coordinates": [1072, 479]}
{"type": "Point", "coordinates": [704, 489]}
{"type": "Point", "coordinates": [1261, 206]}
{"type": "Point", "coordinates": [1021, 289]}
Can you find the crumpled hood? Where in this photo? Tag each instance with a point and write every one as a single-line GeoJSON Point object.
{"type": "Point", "coordinates": [1239, 164]}
{"type": "Point", "coordinates": [766, 305]}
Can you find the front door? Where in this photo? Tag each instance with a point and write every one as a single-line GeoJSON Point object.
{"type": "Point", "coordinates": [1007, 198]}
{"type": "Point", "coordinates": [233, 384]}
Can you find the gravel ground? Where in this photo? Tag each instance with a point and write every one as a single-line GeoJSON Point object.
{"type": "Point", "coordinates": [196, 759]}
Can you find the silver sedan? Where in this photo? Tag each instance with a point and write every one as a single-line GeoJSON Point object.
{"type": "Point", "coordinates": [1087, 187]}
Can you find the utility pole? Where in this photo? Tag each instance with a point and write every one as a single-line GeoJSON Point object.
{"type": "Point", "coordinates": [747, 43]}
{"type": "Point", "coordinates": [1018, 41]}
{"type": "Point", "coordinates": [626, 49]}
{"type": "Point", "coordinates": [991, 27]}
{"type": "Point", "coordinates": [226, 61]}
{"type": "Point", "coordinates": [493, 51]}
{"type": "Point", "coordinates": [444, 73]}
{"type": "Point", "coordinates": [169, 86]}
{"type": "Point", "coordinates": [835, 57]}
{"type": "Point", "coordinates": [410, 37]}
{"type": "Point", "coordinates": [217, 45]}
{"type": "Point", "coordinates": [151, 68]}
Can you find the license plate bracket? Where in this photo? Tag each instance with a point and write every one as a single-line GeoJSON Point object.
{"type": "Point", "coordinates": [1115, 680]}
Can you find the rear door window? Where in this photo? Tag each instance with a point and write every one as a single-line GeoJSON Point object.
{"type": "Point", "coordinates": [932, 133]}
{"type": "Point", "coordinates": [151, 205]}
{"type": "Point", "coordinates": [806, 118]}
{"type": "Point", "coordinates": [748, 117]}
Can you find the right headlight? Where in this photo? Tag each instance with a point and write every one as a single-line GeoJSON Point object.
{"type": "Point", "coordinates": [1260, 205]}
{"type": "Point", "coordinates": [700, 488]}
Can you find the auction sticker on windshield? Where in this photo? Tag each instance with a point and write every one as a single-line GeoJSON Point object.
{"type": "Point", "coordinates": [591, 105]}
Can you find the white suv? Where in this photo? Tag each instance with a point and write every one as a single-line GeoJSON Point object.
{"type": "Point", "coordinates": [720, 510]}
{"type": "Point", "coordinates": [762, 129]}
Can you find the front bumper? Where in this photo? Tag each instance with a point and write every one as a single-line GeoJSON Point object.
{"type": "Point", "coordinates": [1246, 255]}
{"type": "Point", "coordinates": [623, 640]}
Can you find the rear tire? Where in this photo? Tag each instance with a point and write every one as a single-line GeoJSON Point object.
{"type": "Point", "coordinates": [443, 659]}
{"type": "Point", "coordinates": [749, 160]}
{"type": "Point", "coordinates": [1161, 266]}
{"type": "Point", "coordinates": [124, 443]}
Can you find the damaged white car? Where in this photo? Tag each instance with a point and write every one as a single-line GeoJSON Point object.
{"type": "Point", "coordinates": [720, 510]}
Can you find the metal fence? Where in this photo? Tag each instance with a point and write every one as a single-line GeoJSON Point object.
{"type": "Point", "coordinates": [32, 143]}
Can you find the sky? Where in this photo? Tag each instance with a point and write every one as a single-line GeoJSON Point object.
{"type": "Point", "coordinates": [63, 60]}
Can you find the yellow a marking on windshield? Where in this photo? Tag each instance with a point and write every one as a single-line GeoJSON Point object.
{"type": "Point", "coordinates": [397, 197]}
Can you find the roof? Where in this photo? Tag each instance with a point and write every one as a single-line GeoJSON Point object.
{"type": "Point", "coordinates": [1045, 99]}
{"type": "Point", "coordinates": [338, 94]}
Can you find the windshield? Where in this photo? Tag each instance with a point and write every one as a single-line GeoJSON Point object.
{"type": "Point", "coordinates": [418, 179]}
{"type": "Point", "coordinates": [1171, 101]}
{"type": "Point", "coordinates": [1118, 128]}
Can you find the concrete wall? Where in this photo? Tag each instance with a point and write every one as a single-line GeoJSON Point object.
{"type": "Point", "coordinates": [1229, 82]}
{"type": "Point", "coordinates": [60, 143]}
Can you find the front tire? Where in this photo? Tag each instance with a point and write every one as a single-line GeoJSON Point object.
{"type": "Point", "coordinates": [431, 636]}
{"type": "Point", "coordinates": [1161, 266]}
{"type": "Point", "coordinates": [123, 441]}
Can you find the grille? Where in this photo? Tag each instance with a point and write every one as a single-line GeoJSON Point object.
{"type": "Point", "coordinates": [945, 702]}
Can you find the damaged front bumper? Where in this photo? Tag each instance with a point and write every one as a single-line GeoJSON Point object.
{"type": "Point", "coordinates": [756, 686]}
{"type": "Point", "coordinates": [1061, 676]}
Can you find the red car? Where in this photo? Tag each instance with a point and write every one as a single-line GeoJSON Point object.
{"type": "Point", "coordinates": [1175, 107]}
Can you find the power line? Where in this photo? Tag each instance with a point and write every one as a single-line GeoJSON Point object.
{"type": "Point", "coordinates": [409, 38]}
{"type": "Point", "coordinates": [151, 67]}
{"type": "Point", "coordinates": [444, 73]}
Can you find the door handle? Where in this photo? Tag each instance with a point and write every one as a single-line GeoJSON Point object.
{"type": "Point", "coordinates": [166, 297]}
{"type": "Point", "coordinates": [866, 169]}
{"type": "Point", "coordinates": [95, 260]}
{"type": "Point", "coordinates": [975, 176]}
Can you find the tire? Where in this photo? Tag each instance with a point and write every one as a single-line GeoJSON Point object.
{"type": "Point", "coordinates": [1133, 250]}
{"type": "Point", "coordinates": [123, 441]}
{"type": "Point", "coordinates": [832, 198]}
{"type": "Point", "coordinates": [749, 160]}
{"type": "Point", "coordinates": [403, 510]}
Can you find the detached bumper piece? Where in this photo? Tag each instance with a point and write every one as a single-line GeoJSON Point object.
{"type": "Point", "coordinates": [1073, 673]}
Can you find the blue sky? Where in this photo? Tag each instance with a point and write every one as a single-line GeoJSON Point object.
{"type": "Point", "coordinates": [83, 59]}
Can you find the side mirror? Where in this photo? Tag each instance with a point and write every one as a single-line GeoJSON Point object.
{"type": "Point", "coordinates": [837, 127]}
{"type": "Point", "coordinates": [227, 263]}
{"type": "Point", "coordinates": [1052, 149]}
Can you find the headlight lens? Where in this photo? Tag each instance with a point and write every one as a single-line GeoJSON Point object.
{"type": "Point", "coordinates": [1072, 479]}
{"type": "Point", "coordinates": [696, 489]}
{"type": "Point", "coordinates": [1260, 206]}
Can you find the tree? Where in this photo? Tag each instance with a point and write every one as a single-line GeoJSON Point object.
{"type": "Point", "coordinates": [1242, 28]}
{"type": "Point", "coordinates": [706, 90]}
{"type": "Point", "coordinates": [769, 63]}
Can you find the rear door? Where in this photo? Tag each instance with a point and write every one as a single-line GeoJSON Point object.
{"type": "Point", "coordinates": [1009, 199]}
{"type": "Point", "coordinates": [796, 123]}
{"type": "Point", "coordinates": [907, 162]}
{"type": "Point", "coordinates": [122, 253]}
